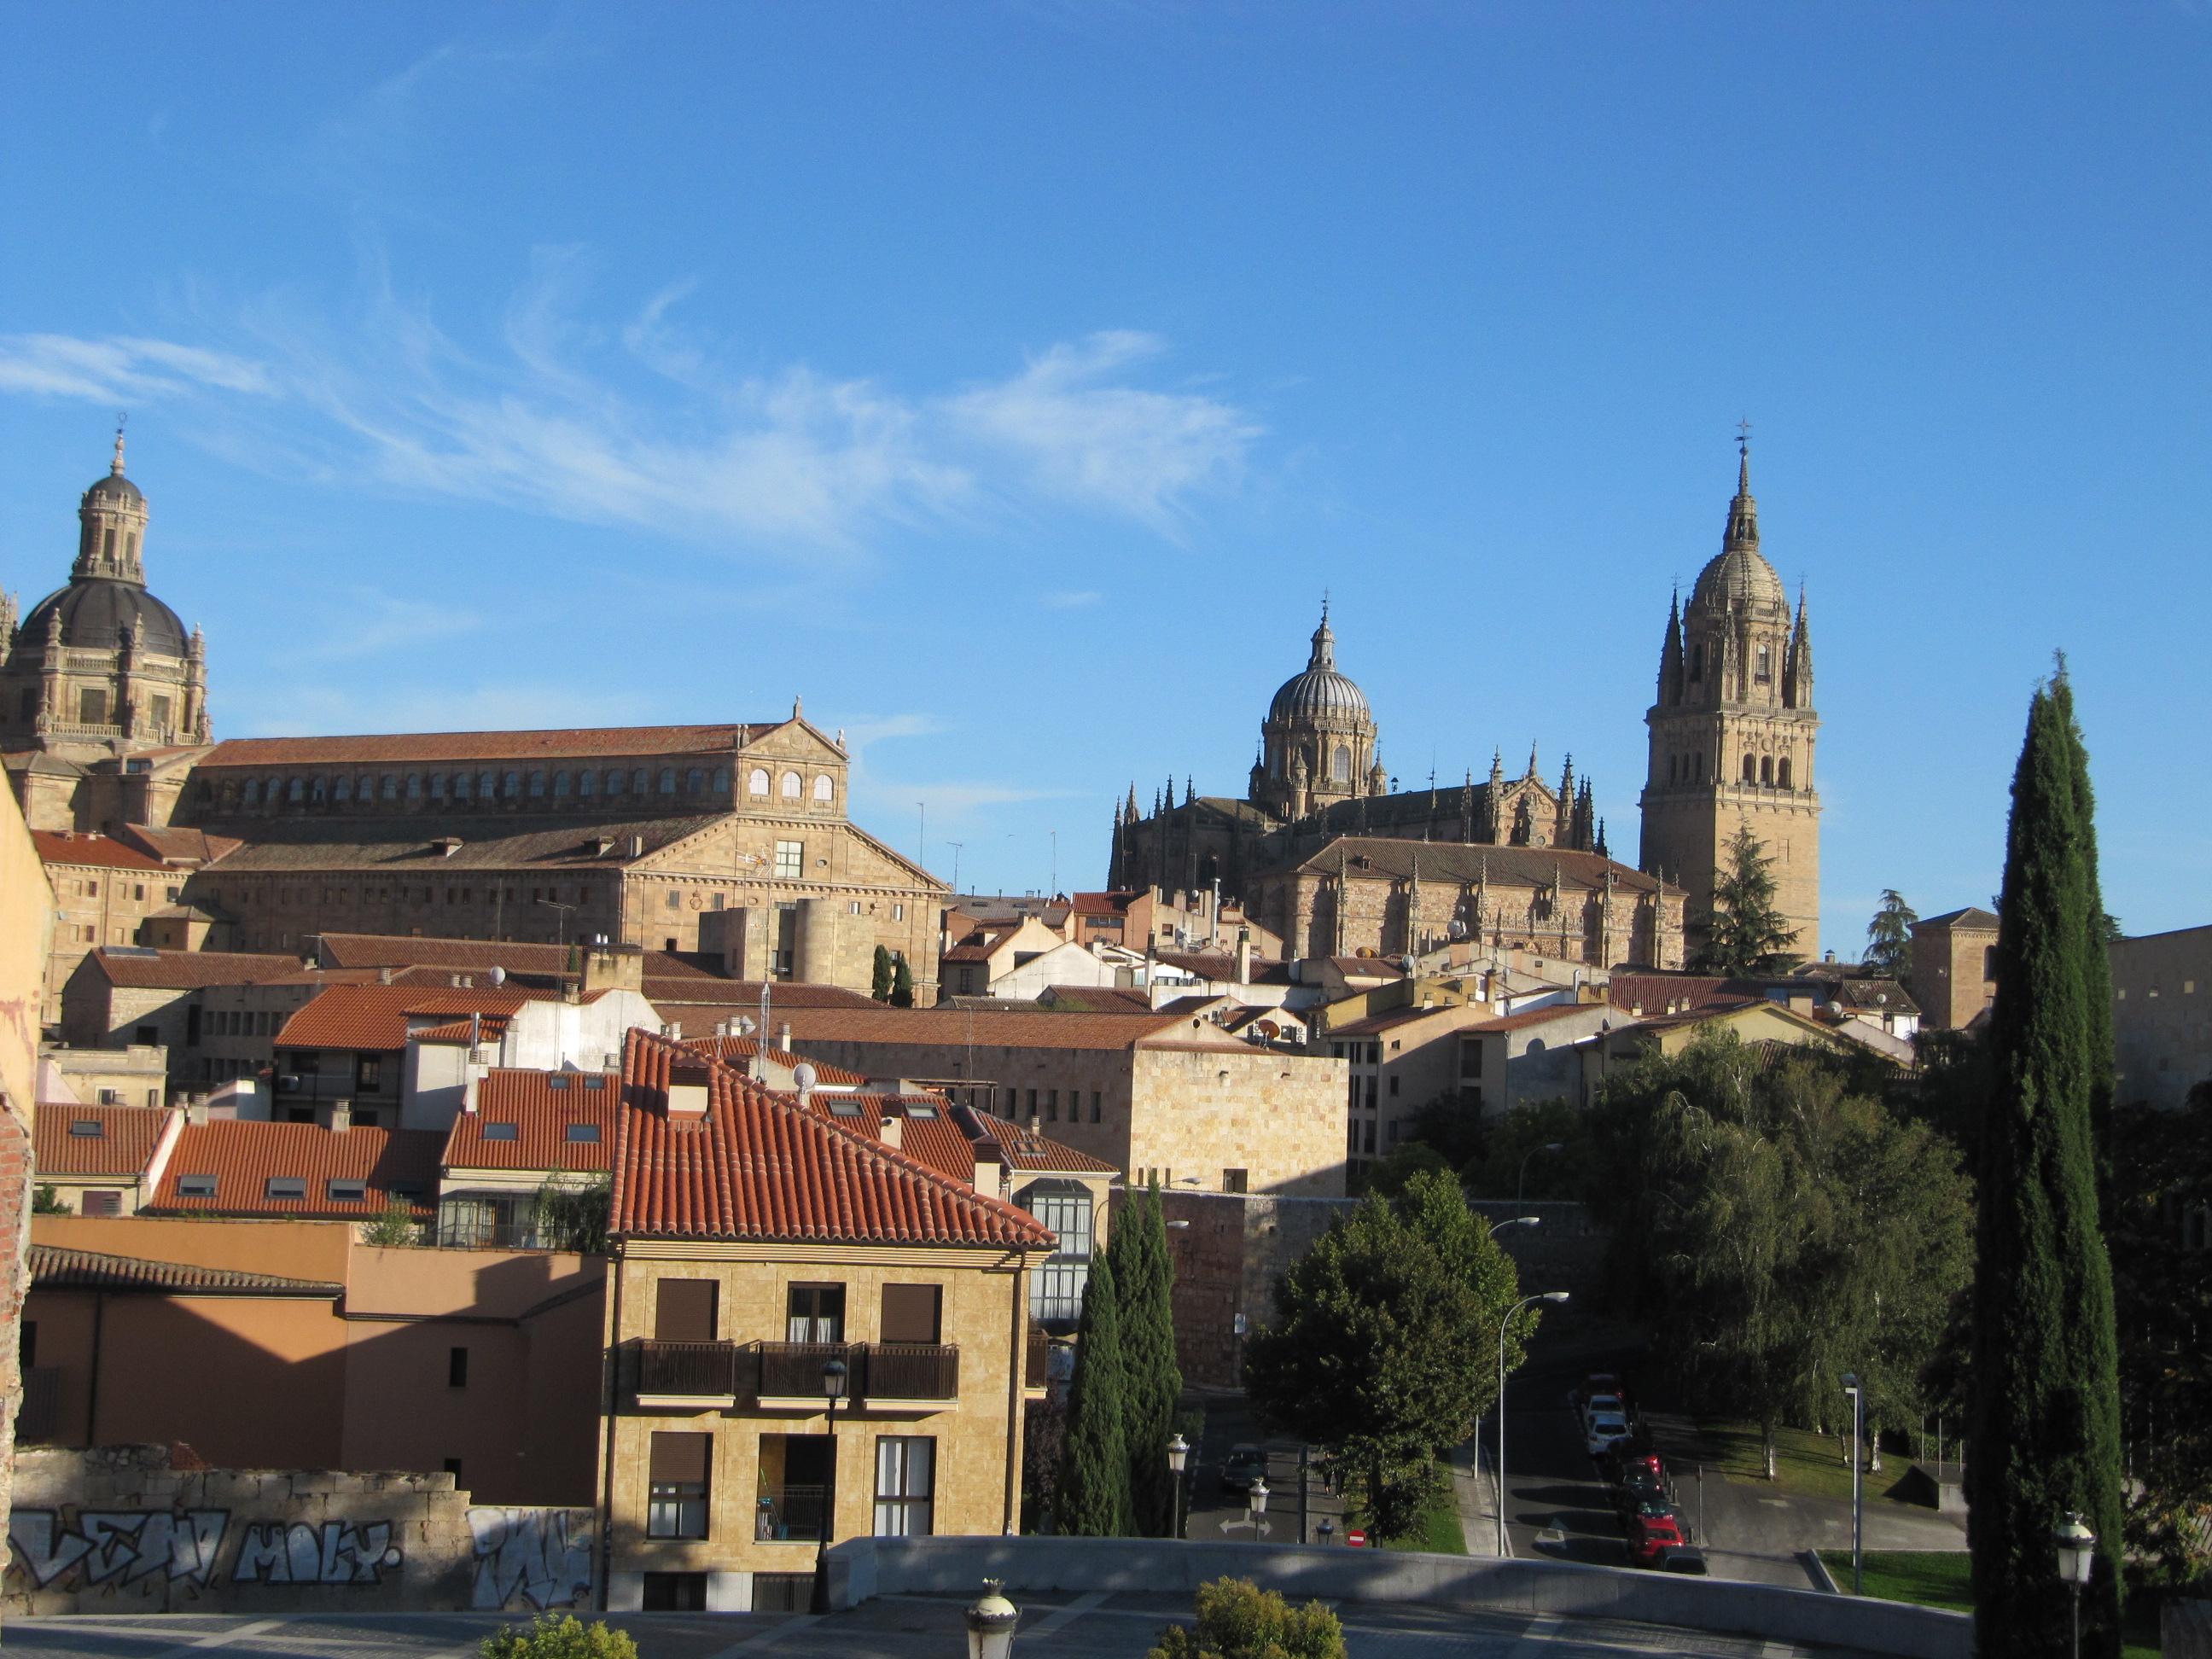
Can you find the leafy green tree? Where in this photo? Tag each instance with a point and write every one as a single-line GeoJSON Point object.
{"type": "Point", "coordinates": [1409, 1159]}
{"type": "Point", "coordinates": [1383, 1349]}
{"type": "Point", "coordinates": [901, 983]}
{"type": "Point", "coordinates": [47, 1201]}
{"type": "Point", "coordinates": [395, 1225]}
{"type": "Point", "coordinates": [1518, 1140]}
{"type": "Point", "coordinates": [1237, 1619]}
{"type": "Point", "coordinates": [1094, 1479]}
{"type": "Point", "coordinates": [573, 1218]}
{"type": "Point", "coordinates": [880, 977]}
{"type": "Point", "coordinates": [2045, 1433]}
{"type": "Point", "coordinates": [1742, 932]}
{"type": "Point", "coordinates": [1889, 937]}
{"type": "Point", "coordinates": [559, 1636]}
{"type": "Point", "coordinates": [1144, 1275]}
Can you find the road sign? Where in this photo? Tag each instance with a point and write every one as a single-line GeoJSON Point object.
{"type": "Point", "coordinates": [1357, 1538]}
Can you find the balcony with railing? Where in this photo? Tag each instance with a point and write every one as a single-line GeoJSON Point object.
{"type": "Point", "coordinates": [909, 1373]}
{"type": "Point", "coordinates": [790, 1513]}
{"type": "Point", "coordinates": [1036, 1359]}
{"type": "Point", "coordinates": [699, 1375]}
{"type": "Point", "coordinates": [789, 1375]}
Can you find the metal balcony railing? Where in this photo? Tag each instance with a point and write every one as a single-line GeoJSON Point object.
{"type": "Point", "coordinates": [1037, 1354]}
{"type": "Point", "coordinates": [790, 1512]}
{"type": "Point", "coordinates": [704, 1370]}
{"type": "Point", "coordinates": [792, 1370]}
{"type": "Point", "coordinates": [911, 1370]}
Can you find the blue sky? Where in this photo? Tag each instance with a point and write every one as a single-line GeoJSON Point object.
{"type": "Point", "coordinates": [1011, 379]}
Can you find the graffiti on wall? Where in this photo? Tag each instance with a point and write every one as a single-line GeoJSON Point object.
{"type": "Point", "coordinates": [336, 1552]}
{"type": "Point", "coordinates": [118, 1547]}
{"type": "Point", "coordinates": [542, 1556]}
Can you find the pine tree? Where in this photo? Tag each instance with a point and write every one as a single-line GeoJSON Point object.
{"type": "Point", "coordinates": [880, 977]}
{"type": "Point", "coordinates": [2045, 1423]}
{"type": "Point", "coordinates": [1145, 1273]}
{"type": "Point", "coordinates": [1094, 1481]}
{"type": "Point", "coordinates": [1889, 937]}
{"type": "Point", "coordinates": [1743, 933]}
{"type": "Point", "coordinates": [901, 983]}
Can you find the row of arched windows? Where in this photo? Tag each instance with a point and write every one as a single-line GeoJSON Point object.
{"type": "Point", "coordinates": [613, 784]}
{"type": "Point", "coordinates": [1762, 769]}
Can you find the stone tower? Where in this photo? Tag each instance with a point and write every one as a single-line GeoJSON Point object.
{"type": "Point", "coordinates": [1317, 744]}
{"type": "Point", "coordinates": [1733, 729]}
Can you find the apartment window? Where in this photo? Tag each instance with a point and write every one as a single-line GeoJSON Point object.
{"type": "Point", "coordinates": [1052, 1105]}
{"type": "Point", "coordinates": [1394, 1085]}
{"type": "Point", "coordinates": [1096, 1101]}
{"type": "Point", "coordinates": [906, 1472]}
{"type": "Point", "coordinates": [686, 1592]}
{"type": "Point", "coordinates": [285, 1186]}
{"type": "Point", "coordinates": [797, 1481]}
{"type": "Point", "coordinates": [898, 912]}
{"type": "Point", "coordinates": [1056, 1288]}
{"type": "Point", "coordinates": [815, 1313]}
{"type": "Point", "coordinates": [103, 1203]}
{"type": "Point", "coordinates": [674, 899]}
{"type": "Point", "coordinates": [683, 1309]}
{"type": "Point", "coordinates": [676, 1503]}
{"type": "Point", "coordinates": [790, 860]}
{"type": "Point", "coordinates": [1033, 1106]}
{"type": "Point", "coordinates": [1235, 1181]}
{"type": "Point", "coordinates": [502, 1132]}
{"type": "Point", "coordinates": [912, 1313]}
{"type": "Point", "coordinates": [457, 1368]}
{"type": "Point", "coordinates": [369, 1072]}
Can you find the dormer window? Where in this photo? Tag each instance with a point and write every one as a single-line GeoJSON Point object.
{"type": "Point", "coordinates": [285, 1187]}
{"type": "Point", "coordinates": [195, 1186]}
{"type": "Point", "coordinates": [88, 1128]}
{"type": "Point", "coordinates": [502, 1132]}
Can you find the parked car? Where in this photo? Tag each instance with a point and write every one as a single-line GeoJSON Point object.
{"type": "Point", "coordinates": [1683, 1558]}
{"type": "Point", "coordinates": [1648, 1534]}
{"type": "Point", "coordinates": [1638, 1487]}
{"type": "Point", "coordinates": [1243, 1468]}
{"type": "Point", "coordinates": [1603, 1431]}
{"type": "Point", "coordinates": [1605, 1404]}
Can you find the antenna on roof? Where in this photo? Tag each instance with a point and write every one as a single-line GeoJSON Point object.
{"type": "Point", "coordinates": [498, 974]}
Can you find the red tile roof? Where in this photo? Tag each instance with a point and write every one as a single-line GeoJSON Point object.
{"type": "Point", "coordinates": [244, 1156]}
{"type": "Point", "coordinates": [1025, 1149]}
{"type": "Point", "coordinates": [480, 956]}
{"type": "Point", "coordinates": [739, 1049]}
{"type": "Point", "coordinates": [488, 1027]}
{"type": "Point", "coordinates": [758, 1166]}
{"type": "Point", "coordinates": [1043, 1028]}
{"type": "Point", "coordinates": [1097, 999]}
{"type": "Point", "coordinates": [175, 844]}
{"type": "Point", "coordinates": [1543, 1016]}
{"type": "Point", "coordinates": [67, 846]}
{"type": "Point", "coordinates": [53, 1268]}
{"type": "Point", "coordinates": [375, 1017]}
{"type": "Point", "coordinates": [1221, 965]}
{"type": "Point", "coordinates": [542, 1106]}
{"type": "Point", "coordinates": [126, 1140]}
{"type": "Point", "coordinates": [926, 1134]}
{"type": "Point", "coordinates": [483, 745]}
{"type": "Point", "coordinates": [1103, 904]}
{"type": "Point", "coordinates": [186, 970]}
{"type": "Point", "coordinates": [745, 993]}
{"type": "Point", "coordinates": [1661, 993]}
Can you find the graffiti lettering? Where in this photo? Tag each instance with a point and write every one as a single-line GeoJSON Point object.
{"type": "Point", "coordinates": [118, 1547]}
{"type": "Point", "coordinates": [336, 1552]}
{"type": "Point", "coordinates": [545, 1555]}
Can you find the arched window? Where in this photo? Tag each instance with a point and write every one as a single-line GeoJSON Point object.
{"type": "Point", "coordinates": [615, 779]}
{"type": "Point", "coordinates": [1766, 770]}
{"type": "Point", "coordinates": [667, 780]}
{"type": "Point", "coordinates": [414, 786]}
{"type": "Point", "coordinates": [1697, 663]}
{"type": "Point", "coordinates": [560, 785]}
{"type": "Point", "coordinates": [388, 786]}
{"type": "Point", "coordinates": [294, 790]}
{"type": "Point", "coordinates": [511, 785]}
{"type": "Point", "coordinates": [1340, 768]}
{"type": "Point", "coordinates": [487, 786]}
{"type": "Point", "coordinates": [756, 782]}
{"type": "Point", "coordinates": [1750, 769]}
{"type": "Point", "coordinates": [319, 789]}
{"type": "Point", "coordinates": [342, 790]}
{"type": "Point", "coordinates": [460, 785]}
{"type": "Point", "coordinates": [824, 789]}
{"type": "Point", "coordinates": [1766, 671]}
{"type": "Point", "coordinates": [1990, 964]}
{"type": "Point", "coordinates": [694, 780]}
{"type": "Point", "coordinates": [252, 792]}
{"type": "Point", "coordinates": [1782, 772]}
{"type": "Point", "coordinates": [639, 780]}
{"type": "Point", "coordinates": [437, 785]}
{"type": "Point", "coordinates": [789, 786]}
{"type": "Point", "coordinates": [586, 784]}
{"type": "Point", "coordinates": [536, 784]}
{"type": "Point", "coordinates": [721, 780]}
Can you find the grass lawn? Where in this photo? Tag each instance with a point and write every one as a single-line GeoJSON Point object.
{"type": "Point", "coordinates": [1437, 1531]}
{"type": "Point", "coordinates": [1943, 1578]}
{"type": "Point", "coordinates": [1803, 1461]}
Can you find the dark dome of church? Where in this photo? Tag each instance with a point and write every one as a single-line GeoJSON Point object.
{"type": "Point", "coordinates": [97, 615]}
{"type": "Point", "coordinates": [1318, 693]}
{"type": "Point", "coordinates": [115, 484]}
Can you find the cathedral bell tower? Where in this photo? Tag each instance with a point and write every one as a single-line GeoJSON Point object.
{"type": "Point", "coordinates": [1733, 729]}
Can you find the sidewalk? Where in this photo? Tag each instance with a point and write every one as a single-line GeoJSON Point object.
{"type": "Point", "coordinates": [1475, 1493]}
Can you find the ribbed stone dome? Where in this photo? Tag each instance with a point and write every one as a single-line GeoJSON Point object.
{"type": "Point", "coordinates": [1739, 576]}
{"type": "Point", "coordinates": [116, 485]}
{"type": "Point", "coordinates": [1319, 693]}
{"type": "Point", "coordinates": [97, 614]}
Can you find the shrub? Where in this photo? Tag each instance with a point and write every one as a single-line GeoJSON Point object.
{"type": "Point", "coordinates": [1237, 1619]}
{"type": "Point", "coordinates": [561, 1636]}
{"type": "Point", "coordinates": [394, 1225]}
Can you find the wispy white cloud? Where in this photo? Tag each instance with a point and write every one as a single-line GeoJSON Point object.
{"type": "Point", "coordinates": [553, 420]}
{"type": "Point", "coordinates": [364, 623]}
{"type": "Point", "coordinates": [1073, 598]}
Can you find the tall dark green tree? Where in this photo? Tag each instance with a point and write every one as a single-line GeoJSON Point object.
{"type": "Point", "coordinates": [1144, 1279]}
{"type": "Point", "coordinates": [1093, 1490]}
{"type": "Point", "coordinates": [901, 983]}
{"type": "Point", "coordinates": [1742, 932]}
{"type": "Point", "coordinates": [1889, 937]}
{"type": "Point", "coordinates": [879, 976]}
{"type": "Point", "coordinates": [2045, 1436]}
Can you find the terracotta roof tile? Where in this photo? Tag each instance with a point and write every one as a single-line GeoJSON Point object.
{"type": "Point", "coordinates": [1221, 966]}
{"type": "Point", "coordinates": [483, 745]}
{"type": "Point", "coordinates": [1543, 1016]}
{"type": "Point", "coordinates": [926, 1134]}
{"type": "Point", "coordinates": [1660, 993]}
{"type": "Point", "coordinates": [408, 845]}
{"type": "Point", "coordinates": [53, 1268]}
{"type": "Point", "coordinates": [1098, 999]}
{"type": "Point", "coordinates": [67, 846]}
{"type": "Point", "coordinates": [738, 1047]}
{"type": "Point", "coordinates": [375, 1017]}
{"type": "Point", "coordinates": [1025, 1149]}
{"type": "Point", "coordinates": [1043, 1028]}
{"type": "Point", "coordinates": [745, 993]}
{"type": "Point", "coordinates": [544, 1109]}
{"type": "Point", "coordinates": [1447, 862]}
{"type": "Point", "coordinates": [126, 1139]}
{"type": "Point", "coordinates": [185, 970]}
{"type": "Point", "coordinates": [245, 1156]}
{"type": "Point", "coordinates": [176, 845]}
{"type": "Point", "coordinates": [478, 956]}
{"type": "Point", "coordinates": [759, 1166]}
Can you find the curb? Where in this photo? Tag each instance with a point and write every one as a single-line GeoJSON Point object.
{"type": "Point", "coordinates": [1823, 1580]}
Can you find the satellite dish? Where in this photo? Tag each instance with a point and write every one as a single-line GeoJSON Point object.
{"type": "Point", "coordinates": [803, 1075]}
{"type": "Point", "coordinates": [1408, 963]}
{"type": "Point", "coordinates": [498, 975]}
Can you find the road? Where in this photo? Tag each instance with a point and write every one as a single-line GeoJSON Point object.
{"type": "Point", "coordinates": [1216, 1513]}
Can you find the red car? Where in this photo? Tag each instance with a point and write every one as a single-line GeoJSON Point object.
{"type": "Point", "coordinates": [1650, 1534]}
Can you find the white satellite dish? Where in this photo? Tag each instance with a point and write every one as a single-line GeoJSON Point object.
{"type": "Point", "coordinates": [498, 975]}
{"type": "Point", "coordinates": [1408, 963]}
{"type": "Point", "coordinates": [803, 1075]}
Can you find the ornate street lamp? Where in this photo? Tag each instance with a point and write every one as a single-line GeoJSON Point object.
{"type": "Point", "coordinates": [2077, 1556]}
{"type": "Point", "coordinates": [1328, 1530]}
{"type": "Point", "coordinates": [1178, 1455]}
{"type": "Point", "coordinates": [833, 1390]}
{"type": "Point", "coordinates": [1503, 1326]}
{"type": "Point", "coordinates": [1256, 1503]}
{"type": "Point", "coordinates": [991, 1622]}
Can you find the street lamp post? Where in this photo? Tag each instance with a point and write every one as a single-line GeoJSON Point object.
{"type": "Point", "coordinates": [833, 1390]}
{"type": "Point", "coordinates": [2077, 1556]}
{"type": "Point", "coordinates": [1255, 1504]}
{"type": "Point", "coordinates": [1858, 1488]}
{"type": "Point", "coordinates": [1178, 1455]}
{"type": "Point", "coordinates": [991, 1622]}
{"type": "Point", "coordinates": [1505, 1325]}
{"type": "Point", "coordinates": [1521, 1181]}
{"type": "Point", "coordinates": [1517, 1221]}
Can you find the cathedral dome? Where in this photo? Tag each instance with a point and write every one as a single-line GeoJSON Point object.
{"type": "Point", "coordinates": [113, 486]}
{"type": "Point", "coordinates": [97, 614]}
{"type": "Point", "coordinates": [1741, 576]}
{"type": "Point", "coordinates": [1320, 694]}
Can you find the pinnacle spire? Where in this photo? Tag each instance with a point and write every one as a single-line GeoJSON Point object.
{"type": "Point", "coordinates": [115, 467]}
{"type": "Point", "coordinates": [1743, 510]}
{"type": "Point", "coordinates": [1324, 641]}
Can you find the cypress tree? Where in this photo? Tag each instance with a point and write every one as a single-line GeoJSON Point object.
{"type": "Point", "coordinates": [901, 983]}
{"type": "Point", "coordinates": [2044, 1435]}
{"type": "Point", "coordinates": [1145, 1273]}
{"type": "Point", "coordinates": [1094, 1479]}
{"type": "Point", "coordinates": [879, 976]}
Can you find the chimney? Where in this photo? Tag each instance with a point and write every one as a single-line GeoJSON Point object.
{"type": "Point", "coordinates": [341, 1117]}
{"type": "Point", "coordinates": [687, 1090]}
{"type": "Point", "coordinates": [634, 847]}
{"type": "Point", "coordinates": [613, 967]}
{"type": "Point", "coordinates": [1243, 956]}
{"type": "Point", "coordinates": [383, 977]}
{"type": "Point", "coordinates": [471, 1077]}
{"type": "Point", "coordinates": [893, 1133]}
{"type": "Point", "coordinates": [783, 1037]}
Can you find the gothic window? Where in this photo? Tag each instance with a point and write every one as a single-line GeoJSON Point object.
{"type": "Point", "coordinates": [1750, 769]}
{"type": "Point", "coordinates": [756, 782]}
{"type": "Point", "coordinates": [1782, 772]}
{"type": "Point", "coordinates": [824, 789]}
{"type": "Point", "coordinates": [414, 786]}
{"type": "Point", "coordinates": [1766, 770]}
{"type": "Point", "coordinates": [1339, 768]}
{"type": "Point", "coordinates": [615, 780]}
{"type": "Point", "coordinates": [342, 790]}
{"type": "Point", "coordinates": [694, 780]}
{"type": "Point", "coordinates": [1697, 663]}
{"type": "Point", "coordinates": [1766, 671]}
{"type": "Point", "coordinates": [536, 784]}
{"type": "Point", "coordinates": [388, 788]}
{"type": "Point", "coordinates": [790, 785]}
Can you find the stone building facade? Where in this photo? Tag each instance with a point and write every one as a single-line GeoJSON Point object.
{"type": "Point", "coordinates": [1733, 730]}
{"type": "Point", "coordinates": [1955, 967]}
{"type": "Point", "coordinates": [26, 913]}
{"type": "Point", "coordinates": [104, 891]}
{"type": "Point", "coordinates": [2162, 1016]}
